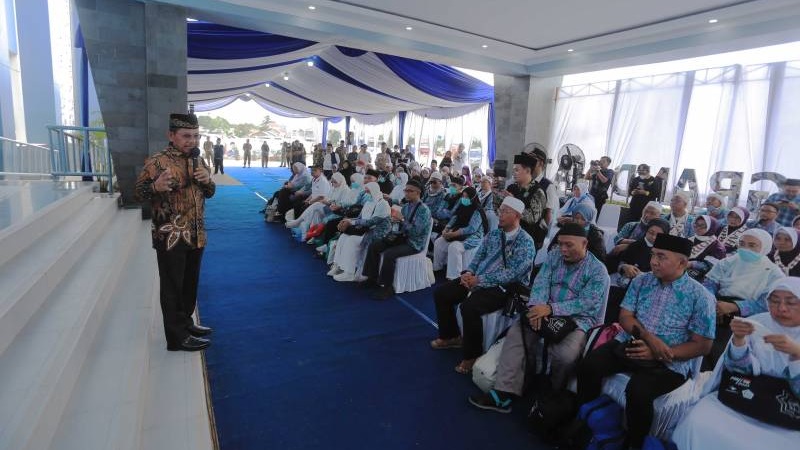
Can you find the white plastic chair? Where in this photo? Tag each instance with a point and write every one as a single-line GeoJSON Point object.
{"type": "Point", "coordinates": [414, 272]}
{"type": "Point", "coordinates": [494, 324]}
{"type": "Point", "coordinates": [609, 216]}
{"type": "Point", "coordinates": [669, 408]}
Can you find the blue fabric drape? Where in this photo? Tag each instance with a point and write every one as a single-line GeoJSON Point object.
{"type": "Point", "coordinates": [439, 80]}
{"type": "Point", "coordinates": [351, 52]}
{"type": "Point", "coordinates": [334, 119]}
{"type": "Point", "coordinates": [212, 41]}
{"type": "Point", "coordinates": [401, 121]}
{"type": "Point", "coordinates": [324, 132]}
{"type": "Point", "coordinates": [245, 69]}
{"type": "Point", "coordinates": [347, 130]}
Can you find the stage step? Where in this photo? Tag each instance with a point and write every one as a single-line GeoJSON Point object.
{"type": "Point", "coordinates": [40, 366]}
{"type": "Point", "coordinates": [110, 394]}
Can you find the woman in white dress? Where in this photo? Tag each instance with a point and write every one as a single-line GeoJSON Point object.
{"type": "Point", "coordinates": [397, 194]}
{"type": "Point", "coordinates": [349, 254]}
{"type": "Point", "coordinates": [316, 211]}
{"type": "Point", "coordinates": [764, 344]}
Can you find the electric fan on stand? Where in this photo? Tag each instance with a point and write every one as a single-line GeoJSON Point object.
{"type": "Point", "coordinates": [570, 166]}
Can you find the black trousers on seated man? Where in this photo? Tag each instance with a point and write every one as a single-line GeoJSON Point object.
{"type": "Point", "coordinates": [645, 386]}
{"type": "Point", "coordinates": [179, 272]}
{"type": "Point", "coordinates": [383, 275]}
{"type": "Point", "coordinates": [480, 302]}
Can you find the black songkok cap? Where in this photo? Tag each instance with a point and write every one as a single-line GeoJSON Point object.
{"type": "Point", "coordinates": [572, 229]}
{"type": "Point", "coordinates": [792, 182]}
{"type": "Point", "coordinates": [183, 121]}
{"type": "Point", "coordinates": [672, 243]}
{"type": "Point", "coordinates": [539, 154]}
{"type": "Point", "coordinates": [373, 173]}
{"type": "Point", "coordinates": [525, 159]}
{"type": "Point", "coordinates": [414, 183]}
{"type": "Point", "coordinates": [459, 180]}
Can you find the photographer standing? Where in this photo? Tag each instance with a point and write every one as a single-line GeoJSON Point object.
{"type": "Point", "coordinates": [601, 177]}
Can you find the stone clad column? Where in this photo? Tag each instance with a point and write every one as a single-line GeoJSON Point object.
{"type": "Point", "coordinates": [137, 55]}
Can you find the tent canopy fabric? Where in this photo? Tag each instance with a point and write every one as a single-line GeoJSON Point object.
{"type": "Point", "coordinates": [300, 78]}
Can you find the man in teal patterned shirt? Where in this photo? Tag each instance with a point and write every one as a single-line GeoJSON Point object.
{"type": "Point", "coordinates": [504, 258]}
{"type": "Point", "coordinates": [572, 284]}
{"type": "Point", "coordinates": [669, 319]}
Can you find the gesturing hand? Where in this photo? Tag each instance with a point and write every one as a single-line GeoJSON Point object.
{"type": "Point", "coordinates": [660, 350]}
{"type": "Point", "coordinates": [741, 329]}
{"type": "Point", "coordinates": [201, 175]}
{"type": "Point", "coordinates": [164, 182]}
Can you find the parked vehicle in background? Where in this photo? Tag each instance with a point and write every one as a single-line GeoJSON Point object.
{"type": "Point", "coordinates": [475, 156]}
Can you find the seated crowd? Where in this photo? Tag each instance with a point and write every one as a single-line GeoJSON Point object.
{"type": "Point", "coordinates": [691, 292]}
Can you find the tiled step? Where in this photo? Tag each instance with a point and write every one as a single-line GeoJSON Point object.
{"type": "Point", "coordinates": [39, 369]}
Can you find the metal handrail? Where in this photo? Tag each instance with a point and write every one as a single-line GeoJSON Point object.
{"type": "Point", "coordinates": [74, 154]}
{"type": "Point", "coordinates": [17, 161]}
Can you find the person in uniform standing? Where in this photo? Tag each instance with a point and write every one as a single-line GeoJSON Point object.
{"type": "Point", "coordinates": [176, 183]}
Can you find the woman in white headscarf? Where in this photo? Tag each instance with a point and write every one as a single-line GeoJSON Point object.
{"type": "Point", "coordinates": [740, 283]}
{"type": "Point", "coordinates": [373, 223]}
{"type": "Point", "coordinates": [314, 214]}
{"type": "Point", "coordinates": [580, 194]}
{"type": "Point", "coordinates": [767, 344]}
{"type": "Point", "coordinates": [397, 194]}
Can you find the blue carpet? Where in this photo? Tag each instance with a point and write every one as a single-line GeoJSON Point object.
{"type": "Point", "coordinates": [300, 361]}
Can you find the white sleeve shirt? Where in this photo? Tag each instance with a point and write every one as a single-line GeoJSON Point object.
{"type": "Point", "coordinates": [320, 187]}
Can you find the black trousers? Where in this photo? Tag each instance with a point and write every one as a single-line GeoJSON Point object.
{"type": "Point", "coordinates": [246, 162]}
{"type": "Point", "coordinates": [218, 165]}
{"type": "Point", "coordinates": [480, 302]}
{"type": "Point", "coordinates": [328, 174]}
{"type": "Point", "coordinates": [384, 275]}
{"type": "Point", "coordinates": [179, 273]}
{"type": "Point", "coordinates": [330, 230]}
{"type": "Point", "coordinates": [646, 385]}
{"type": "Point", "coordinates": [599, 201]}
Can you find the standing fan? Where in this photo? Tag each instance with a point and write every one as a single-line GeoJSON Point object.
{"type": "Point", "coordinates": [570, 165]}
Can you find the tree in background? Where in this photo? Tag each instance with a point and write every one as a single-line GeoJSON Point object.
{"type": "Point", "coordinates": [334, 136]}
{"type": "Point", "coordinates": [217, 125]}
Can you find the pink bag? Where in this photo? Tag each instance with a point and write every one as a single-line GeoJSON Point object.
{"type": "Point", "coordinates": [599, 335]}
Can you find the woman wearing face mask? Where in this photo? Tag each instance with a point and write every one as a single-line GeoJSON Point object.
{"type": "Point", "coordinates": [730, 234]}
{"type": "Point", "coordinates": [704, 245]}
{"type": "Point", "coordinates": [462, 235]}
{"type": "Point", "coordinates": [633, 231]}
{"type": "Point", "coordinates": [715, 209]}
{"type": "Point", "coordinates": [397, 195]}
{"type": "Point", "coordinates": [314, 214]}
{"type": "Point", "coordinates": [372, 223]}
{"type": "Point", "coordinates": [486, 197]}
{"type": "Point", "coordinates": [454, 193]}
{"type": "Point", "coordinates": [787, 251]}
{"type": "Point", "coordinates": [739, 283]}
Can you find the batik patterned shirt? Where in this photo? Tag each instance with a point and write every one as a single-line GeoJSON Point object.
{"type": "Point", "coordinates": [576, 290]}
{"type": "Point", "coordinates": [178, 215]}
{"type": "Point", "coordinates": [490, 267]}
{"type": "Point", "coordinates": [473, 231]}
{"type": "Point", "coordinates": [785, 214]}
{"type": "Point", "coordinates": [416, 228]}
{"type": "Point", "coordinates": [671, 311]}
{"type": "Point", "coordinates": [436, 203]}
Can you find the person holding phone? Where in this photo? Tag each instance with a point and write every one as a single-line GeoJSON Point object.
{"type": "Point", "coordinates": [788, 202]}
{"type": "Point", "coordinates": [668, 319]}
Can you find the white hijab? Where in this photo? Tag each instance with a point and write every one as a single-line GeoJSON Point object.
{"type": "Point", "coordinates": [342, 192]}
{"type": "Point", "coordinates": [355, 192]}
{"type": "Point", "coordinates": [377, 206]}
{"type": "Point", "coordinates": [761, 235]}
{"type": "Point", "coordinates": [397, 192]}
{"type": "Point", "coordinates": [766, 360]}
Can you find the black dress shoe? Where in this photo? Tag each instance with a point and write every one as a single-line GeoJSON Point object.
{"type": "Point", "coordinates": [199, 330]}
{"type": "Point", "coordinates": [190, 344]}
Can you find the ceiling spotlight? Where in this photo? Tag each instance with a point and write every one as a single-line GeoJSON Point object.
{"type": "Point", "coordinates": [189, 19]}
{"type": "Point", "coordinates": [409, 28]}
{"type": "Point", "coordinates": [484, 46]}
{"type": "Point", "coordinates": [312, 7]}
{"type": "Point", "coordinates": [570, 50]}
{"type": "Point", "coordinates": [286, 77]}
{"type": "Point", "coordinates": [310, 63]}
{"type": "Point", "coordinates": [266, 84]}
{"type": "Point", "coordinates": [713, 20]}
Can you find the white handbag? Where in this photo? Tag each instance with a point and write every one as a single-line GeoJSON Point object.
{"type": "Point", "coordinates": [484, 372]}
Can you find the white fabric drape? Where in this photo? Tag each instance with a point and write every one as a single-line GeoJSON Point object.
{"type": "Point", "coordinates": [738, 118]}
{"type": "Point", "coordinates": [465, 127]}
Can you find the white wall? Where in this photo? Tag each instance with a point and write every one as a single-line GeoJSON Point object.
{"type": "Point", "coordinates": [541, 106]}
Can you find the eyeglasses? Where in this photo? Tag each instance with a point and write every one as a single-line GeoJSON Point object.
{"type": "Point", "coordinates": [768, 210]}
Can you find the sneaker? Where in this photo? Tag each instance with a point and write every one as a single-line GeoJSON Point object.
{"type": "Point", "coordinates": [491, 402]}
{"type": "Point", "coordinates": [321, 248]}
{"type": "Point", "coordinates": [334, 270]}
{"type": "Point", "coordinates": [361, 278]}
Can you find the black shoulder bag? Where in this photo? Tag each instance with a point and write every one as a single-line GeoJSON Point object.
{"type": "Point", "coordinates": [765, 398]}
{"type": "Point", "coordinates": [394, 239]}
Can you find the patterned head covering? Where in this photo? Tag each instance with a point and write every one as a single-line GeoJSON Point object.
{"type": "Point", "coordinates": [183, 121]}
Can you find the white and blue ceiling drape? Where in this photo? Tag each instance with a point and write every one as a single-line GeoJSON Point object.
{"type": "Point", "coordinates": [299, 78]}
